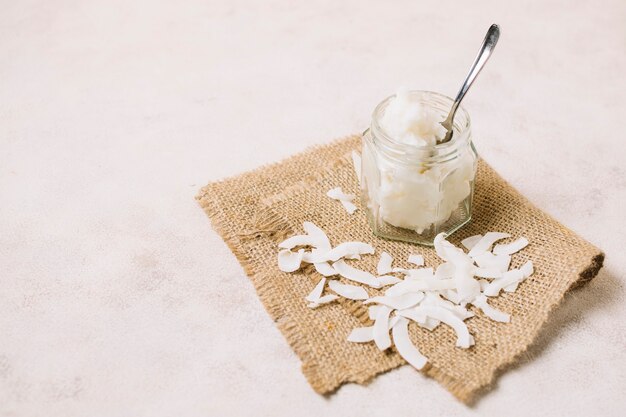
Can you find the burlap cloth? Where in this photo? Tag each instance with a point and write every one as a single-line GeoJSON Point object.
{"type": "Point", "coordinates": [254, 211]}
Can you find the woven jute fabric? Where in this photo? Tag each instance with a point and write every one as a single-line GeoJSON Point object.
{"type": "Point", "coordinates": [256, 210]}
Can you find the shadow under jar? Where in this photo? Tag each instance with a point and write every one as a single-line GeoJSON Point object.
{"type": "Point", "coordinates": [412, 193]}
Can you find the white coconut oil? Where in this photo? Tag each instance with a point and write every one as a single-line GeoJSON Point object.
{"type": "Point", "coordinates": [412, 187]}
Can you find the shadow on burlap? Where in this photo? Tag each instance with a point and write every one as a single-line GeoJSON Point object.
{"type": "Point", "coordinates": [256, 210]}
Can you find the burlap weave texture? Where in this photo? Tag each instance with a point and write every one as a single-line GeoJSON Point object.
{"type": "Point", "coordinates": [254, 211]}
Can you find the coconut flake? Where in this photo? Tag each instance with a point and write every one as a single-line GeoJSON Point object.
{"type": "Point", "coordinates": [320, 239]}
{"type": "Point", "coordinates": [421, 273]}
{"type": "Point", "coordinates": [488, 272]}
{"type": "Point", "coordinates": [464, 338]}
{"type": "Point", "coordinates": [366, 334]}
{"type": "Point", "coordinates": [445, 270]}
{"type": "Point", "coordinates": [400, 302]}
{"type": "Point", "coordinates": [511, 248]}
{"type": "Point", "coordinates": [325, 269]}
{"type": "Point", "coordinates": [372, 311]}
{"type": "Point", "coordinates": [466, 286]}
{"type": "Point", "coordinates": [405, 347]}
{"type": "Point", "coordinates": [344, 250]}
{"type": "Point", "coordinates": [489, 260]}
{"type": "Point", "coordinates": [388, 280]}
{"type": "Point", "coordinates": [350, 207]}
{"type": "Point", "coordinates": [289, 261]}
{"type": "Point", "coordinates": [356, 275]}
{"type": "Point", "coordinates": [323, 300]}
{"type": "Point", "coordinates": [489, 311]}
{"type": "Point", "coordinates": [410, 286]}
{"type": "Point", "coordinates": [317, 291]}
{"type": "Point", "coordinates": [404, 271]}
{"type": "Point", "coordinates": [509, 277]}
{"type": "Point", "coordinates": [527, 269]}
{"type": "Point", "coordinates": [356, 163]}
{"type": "Point", "coordinates": [351, 292]}
{"type": "Point", "coordinates": [361, 334]}
{"type": "Point", "coordinates": [345, 199]}
{"type": "Point", "coordinates": [433, 299]}
{"type": "Point", "coordinates": [338, 194]}
{"type": "Point", "coordinates": [381, 328]}
{"type": "Point", "coordinates": [393, 321]}
{"type": "Point", "coordinates": [471, 241]}
{"type": "Point", "coordinates": [384, 264]}
{"type": "Point", "coordinates": [416, 259]}
{"type": "Point", "coordinates": [298, 240]}
{"type": "Point", "coordinates": [484, 244]}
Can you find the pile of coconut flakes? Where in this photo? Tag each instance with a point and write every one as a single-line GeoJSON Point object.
{"type": "Point", "coordinates": [428, 296]}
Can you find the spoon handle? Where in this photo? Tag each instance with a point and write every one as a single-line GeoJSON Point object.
{"type": "Point", "coordinates": [486, 49]}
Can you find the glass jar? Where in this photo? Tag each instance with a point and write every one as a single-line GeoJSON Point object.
{"type": "Point", "coordinates": [411, 192]}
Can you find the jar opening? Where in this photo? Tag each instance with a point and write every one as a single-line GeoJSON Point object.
{"type": "Point", "coordinates": [439, 105]}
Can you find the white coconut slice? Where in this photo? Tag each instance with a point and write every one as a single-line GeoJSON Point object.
{"type": "Point", "coordinates": [470, 242]}
{"type": "Point", "coordinates": [527, 269]}
{"type": "Point", "coordinates": [317, 291]}
{"type": "Point", "coordinates": [343, 198]}
{"type": "Point", "coordinates": [323, 300]}
{"type": "Point", "coordinates": [511, 248]}
{"type": "Point", "coordinates": [388, 280]}
{"type": "Point", "coordinates": [356, 163]}
{"type": "Point", "coordinates": [485, 243]}
{"type": "Point", "coordinates": [429, 323]}
{"type": "Point", "coordinates": [319, 237]}
{"type": "Point", "coordinates": [412, 286]}
{"type": "Point", "coordinates": [421, 273]}
{"type": "Point", "coordinates": [351, 292]}
{"type": "Point", "coordinates": [325, 269]}
{"type": "Point", "coordinates": [404, 271]}
{"type": "Point", "coordinates": [289, 261]}
{"type": "Point", "coordinates": [433, 299]}
{"type": "Point", "coordinates": [512, 287]}
{"type": "Point", "coordinates": [489, 260]}
{"type": "Point", "coordinates": [372, 311]}
{"type": "Point", "coordinates": [381, 328]}
{"type": "Point", "coordinates": [466, 286]}
{"type": "Point", "coordinates": [488, 272]}
{"type": "Point", "coordinates": [344, 250]}
{"type": "Point", "coordinates": [445, 270]}
{"type": "Point", "coordinates": [483, 284]}
{"type": "Point", "coordinates": [400, 302]}
{"type": "Point", "coordinates": [489, 311]}
{"type": "Point", "coordinates": [384, 264]}
{"type": "Point", "coordinates": [356, 275]}
{"type": "Point", "coordinates": [338, 194]}
{"type": "Point", "coordinates": [416, 259]}
{"type": "Point", "coordinates": [405, 347]}
{"type": "Point", "coordinates": [509, 277]}
{"type": "Point", "coordinates": [452, 295]}
{"type": "Point", "coordinates": [349, 206]}
{"type": "Point", "coordinates": [464, 339]}
{"type": "Point", "coordinates": [298, 240]}
{"type": "Point", "coordinates": [442, 246]}
{"type": "Point", "coordinates": [361, 334]}
{"type": "Point", "coordinates": [366, 334]}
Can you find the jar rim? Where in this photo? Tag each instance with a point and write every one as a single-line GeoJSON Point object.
{"type": "Point", "coordinates": [440, 147]}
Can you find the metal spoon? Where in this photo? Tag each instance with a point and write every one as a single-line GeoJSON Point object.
{"type": "Point", "coordinates": [489, 43]}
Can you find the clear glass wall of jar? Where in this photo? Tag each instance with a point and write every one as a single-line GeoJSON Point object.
{"type": "Point", "coordinates": [412, 193]}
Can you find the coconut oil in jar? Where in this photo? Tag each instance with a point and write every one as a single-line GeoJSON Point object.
{"type": "Point", "coordinates": [412, 187]}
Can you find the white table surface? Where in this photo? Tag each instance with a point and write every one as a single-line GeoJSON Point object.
{"type": "Point", "coordinates": [116, 296]}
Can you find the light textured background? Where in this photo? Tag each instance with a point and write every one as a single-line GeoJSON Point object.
{"type": "Point", "coordinates": [118, 299]}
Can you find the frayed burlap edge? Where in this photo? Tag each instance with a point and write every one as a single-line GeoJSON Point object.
{"type": "Point", "coordinates": [275, 227]}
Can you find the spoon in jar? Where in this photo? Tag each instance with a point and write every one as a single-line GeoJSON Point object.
{"type": "Point", "coordinates": [486, 49]}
